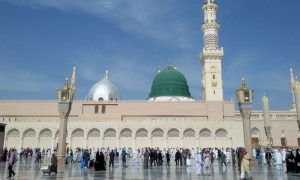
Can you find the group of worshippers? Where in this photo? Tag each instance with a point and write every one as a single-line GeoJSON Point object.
{"type": "Point", "coordinates": [278, 156]}
{"type": "Point", "coordinates": [99, 162]}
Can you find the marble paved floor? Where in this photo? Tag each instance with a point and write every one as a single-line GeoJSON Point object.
{"type": "Point", "coordinates": [27, 170]}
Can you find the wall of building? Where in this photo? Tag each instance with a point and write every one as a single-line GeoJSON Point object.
{"type": "Point", "coordinates": [138, 124]}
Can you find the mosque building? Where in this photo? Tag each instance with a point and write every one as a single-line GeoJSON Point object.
{"type": "Point", "coordinates": [170, 117]}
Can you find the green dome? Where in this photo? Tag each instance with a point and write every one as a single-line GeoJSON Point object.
{"type": "Point", "coordinates": [169, 82]}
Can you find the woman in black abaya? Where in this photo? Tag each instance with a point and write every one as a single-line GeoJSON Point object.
{"type": "Point", "coordinates": [97, 162]}
{"type": "Point", "coordinates": [290, 163]}
{"type": "Point", "coordinates": [102, 161]}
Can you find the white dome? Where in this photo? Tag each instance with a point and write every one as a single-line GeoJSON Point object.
{"type": "Point", "coordinates": [103, 90]}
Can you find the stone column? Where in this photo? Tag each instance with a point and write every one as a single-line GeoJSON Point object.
{"type": "Point", "coordinates": [86, 142]}
{"type": "Point", "coordinates": [133, 143]}
{"type": "Point", "coordinates": [37, 142]}
{"type": "Point", "coordinates": [197, 138]}
{"type": "Point", "coordinates": [102, 139]}
{"type": "Point", "coordinates": [246, 110]}
{"type": "Point", "coordinates": [64, 109]}
{"type": "Point", "coordinates": [53, 143]}
{"type": "Point", "coordinates": [150, 142]}
{"type": "Point", "coordinates": [166, 142]}
{"type": "Point", "coordinates": [118, 142]}
{"type": "Point", "coordinates": [181, 141]}
{"type": "Point", "coordinates": [21, 140]}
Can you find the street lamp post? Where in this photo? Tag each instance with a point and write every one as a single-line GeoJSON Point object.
{"type": "Point", "coordinates": [267, 125]}
{"type": "Point", "coordinates": [65, 97]}
{"type": "Point", "coordinates": [245, 98]}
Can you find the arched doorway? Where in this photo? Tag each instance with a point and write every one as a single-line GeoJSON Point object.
{"type": "Point", "coordinates": [45, 139]}
{"type": "Point", "coordinates": [189, 138]}
{"type": "Point", "coordinates": [12, 139]}
{"type": "Point", "coordinates": [142, 139]}
{"type": "Point", "coordinates": [93, 139]}
{"type": "Point", "coordinates": [221, 140]}
{"type": "Point", "coordinates": [29, 138]}
{"type": "Point", "coordinates": [125, 138]}
{"type": "Point", "coordinates": [110, 138]}
{"type": "Point", "coordinates": [157, 138]}
{"type": "Point", "coordinates": [205, 138]}
{"type": "Point", "coordinates": [173, 138]}
{"type": "Point", "coordinates": [77, 139]}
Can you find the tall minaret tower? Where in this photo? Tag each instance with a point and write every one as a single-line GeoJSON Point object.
{"type": "Point", "coordinates": [211, 55]}
{"type": "Point", "coordinates": [292, 82]}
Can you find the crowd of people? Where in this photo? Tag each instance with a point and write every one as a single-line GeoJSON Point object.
{"type": "Point", "coordinates": [277, 157]}
{"type": "Point", "coordinates": [201, 159]}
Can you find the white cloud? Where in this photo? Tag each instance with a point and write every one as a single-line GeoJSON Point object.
{"type": "Point", "coordinates": [150, 18]}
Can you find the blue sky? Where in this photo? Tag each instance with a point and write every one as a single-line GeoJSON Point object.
{"type": "Point", "coordinates": [41, 39]}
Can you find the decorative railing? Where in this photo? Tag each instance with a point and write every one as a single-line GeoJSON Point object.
{"type": "Point", "coordinates": [275, 115]}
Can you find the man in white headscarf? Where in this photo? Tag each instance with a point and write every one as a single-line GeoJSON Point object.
{"type": "Point", "coordinates": [254, 153]}
{"type": "Point", "coordinates": [134, 156]}
{"type": "Point", "coordinates": [228, 156]}
{"type": "Point", "coordinates": [279, 160]}
{"type": "Point", "coordinates": [283, 155]}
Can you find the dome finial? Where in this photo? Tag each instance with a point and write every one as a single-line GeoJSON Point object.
{"type": "Point", "coordinates": [265, 95]}
{"type": "Point", "coordinates": [106, 74]}
{"type": "Point", "coordinates": [244, 87]}
{"type": "Point", "coordinates": [158, 71]}
{"type": "Point", "coordinates": [66, 86]}
{"type": "Point", "coordinates": [291, 70]}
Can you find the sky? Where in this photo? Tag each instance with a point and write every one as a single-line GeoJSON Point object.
{"type": "Point", "coordinates": [40, 41]}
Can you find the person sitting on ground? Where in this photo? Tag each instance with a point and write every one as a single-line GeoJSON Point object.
{"type": "Point", "coordinates": [53, 166]}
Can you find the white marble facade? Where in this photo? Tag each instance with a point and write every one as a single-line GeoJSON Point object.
{"type": "Point", "coordinates": [139, 124]}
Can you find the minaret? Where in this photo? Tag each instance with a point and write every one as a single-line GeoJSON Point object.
{"type": "Point", "coordinates": [292, 82]}
{"type": "Point", "coordinates": [211, 54]}
{"type": "Point", "coordinates": [73, 79]}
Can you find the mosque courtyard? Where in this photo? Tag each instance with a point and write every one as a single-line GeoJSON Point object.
{"type": "Point", "coordinates": [28, 170]}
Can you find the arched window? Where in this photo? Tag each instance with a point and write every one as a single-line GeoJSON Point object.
{"type": "Point", "coordinates": [173, 132]}
{"type": "Point", "coordinates": [46, 133]}
{"type": "Point", "coordinates": [189, 133]}
{"type": "Point", "coordinates": [77, 133]}
{"type": "Point", "coordinates": [157, 133]}
{"type": "Point", "coordinates": [205, 133]}
{"type": "Point", "coordinates": [126, 133]}
{"type": "Point", "coordinates": [13, 133]}
{"type": "Point", "coordinates": [142, 133]}
{"type": "Point", "coordinates": [94, 133]}
{"type": "Point", "coordinates": [29, 133]}
{"type": "Point", "coordinates": [110, 133]}
{"type": "Point", "coordinates": [221, 133]}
